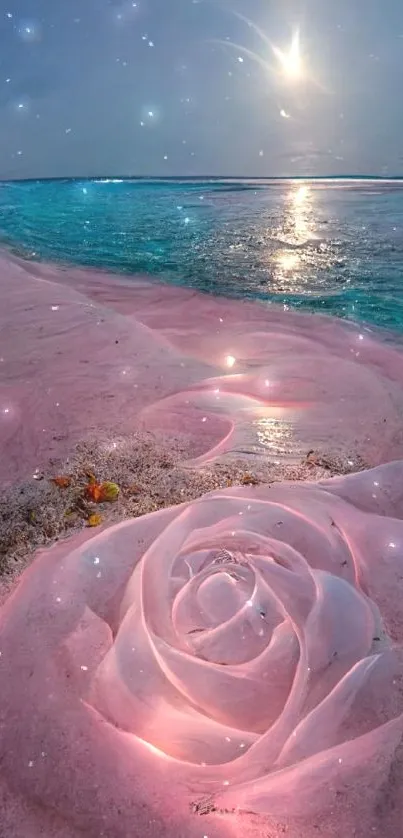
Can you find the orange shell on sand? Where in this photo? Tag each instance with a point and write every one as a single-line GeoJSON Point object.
{"type": "Point", "coordinates": [103, 492]}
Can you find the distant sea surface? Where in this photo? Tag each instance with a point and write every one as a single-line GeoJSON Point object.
{"type": "Point", "coordinates": [329, 246]}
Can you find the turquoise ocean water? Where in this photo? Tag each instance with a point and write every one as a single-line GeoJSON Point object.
{"type": "Point", "coordinates": [330, 246]}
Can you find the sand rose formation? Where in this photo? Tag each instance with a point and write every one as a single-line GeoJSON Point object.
{"type": "Point", "coordinates": [232, 666]}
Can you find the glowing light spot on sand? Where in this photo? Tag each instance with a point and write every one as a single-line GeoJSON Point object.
{"type": "Point", "coordinates": [58, 599]}
{"type": "Point", "coordinates": [284, 114]}
{"type": "Point", "coordinates": [154, 750]}
{"type": "Point", "coordinates": [392, 545]}
{"type": "Point", "coordinates": [227, 739]}
{"type": "Point", "coordinates": [230, 361]}
{"type": "Point", "coordinates": [240, 59]}
{"type": "Point", "coordinates": [187, 220]}
{"type": "Point", "coordinates": [221, 320]}
{"type": "Point", "coordinates": [96, 560]}
{"type": "Point", "coordinates": [6, 410]}
{"type": "Point", "coordinates": [376, 483]}
{"type": "Point", "coordinates": [30, 764]}
{"type": "Point", "coordinates": [55, 308]}
{"type": "Point", "coordinates": [85, 191]}
{"type": "Point", "coordinates": [249, 603]}
{"type": "Point", "coordinates": [204, 419]}
{"type": "Point", "coordinates": [226, 783]}
{"type": "Point", "coordinates": [267, 383]}
{"type": "Point", "coordinates": [84, 668]}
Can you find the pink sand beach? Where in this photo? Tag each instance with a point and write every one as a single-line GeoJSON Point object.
{"type": "Point", "coordinates": [231, 666]}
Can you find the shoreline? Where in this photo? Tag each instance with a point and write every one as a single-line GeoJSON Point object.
{"type": "Point", "coordinates": [35, 513]}
{"type": "Point", "coordinates": [24, 258]}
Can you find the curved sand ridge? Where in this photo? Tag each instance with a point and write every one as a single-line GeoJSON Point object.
{"type": "Point", "coordinates": [232, 666]}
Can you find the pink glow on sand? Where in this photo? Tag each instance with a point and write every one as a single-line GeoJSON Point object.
{"type": "Point", "coordinates": [253, 639]}
{"type": "Point", "coordinates": [230, 668]}
{"type": "Point", "coordinates": [81, 351]}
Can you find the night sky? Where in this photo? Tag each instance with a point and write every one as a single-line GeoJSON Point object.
{"type": "Point", "coordinates": [189, 87]}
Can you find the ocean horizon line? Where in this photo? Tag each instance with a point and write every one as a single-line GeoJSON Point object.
{"type": "Point", "coordinates": [208, 178]}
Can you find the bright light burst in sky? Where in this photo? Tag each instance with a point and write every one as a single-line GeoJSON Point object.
{"type": "Point", "coordinates": [196, 86]}
{"type": "Point", "coordinates": [290, 61]}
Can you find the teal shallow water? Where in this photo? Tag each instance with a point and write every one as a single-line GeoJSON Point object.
{"type": "Point", "coordinates": [328, 246]}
